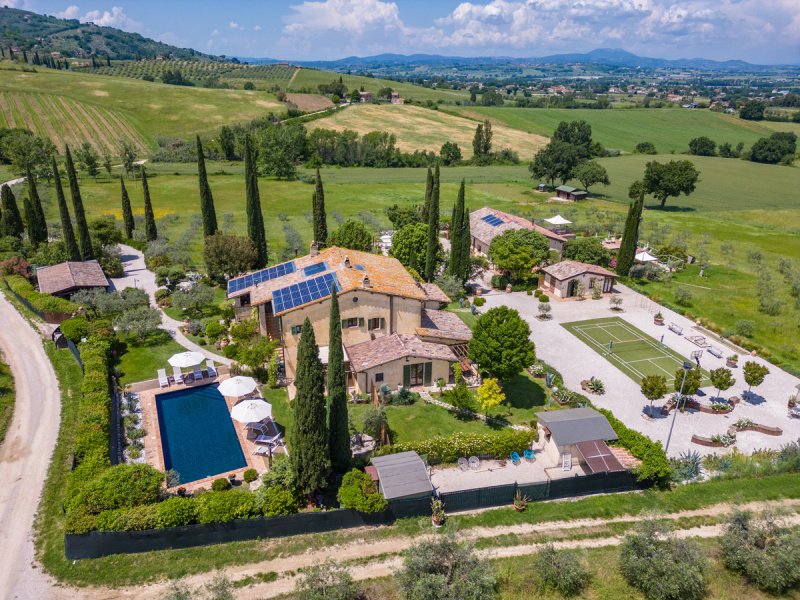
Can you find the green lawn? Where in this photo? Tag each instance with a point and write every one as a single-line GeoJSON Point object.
{"type": "Point", "coordinates": [140, 362]}
{"type": "Point", "coordinates": [6, 398]}
{"type": "Point", "coordinates": [670, 129]}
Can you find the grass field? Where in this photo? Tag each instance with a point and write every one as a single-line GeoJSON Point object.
{"type": "Point", "coordinates": [151, 109]}
{"type": "Point", "coordinates": [670, 129]}
{"type": "Point", "coordinates": [139, 362]}
{"type": "Point", "coordinates": [626, 347]}
{"type": "Point", "coordinates": [310, 79]}
{"type": "Point", "coordinates": [6, 398]}
{"type": "Point", "coordinates": [309, 102]}
{"type": "Point", "coordinates": [419, 128]}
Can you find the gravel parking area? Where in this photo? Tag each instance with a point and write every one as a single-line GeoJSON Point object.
{"type": "Point", "coordinates": [577, 361]}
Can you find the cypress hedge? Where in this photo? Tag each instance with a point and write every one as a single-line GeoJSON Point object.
{"type": "Point", "coordinates": [150, 229]}
{"type": "Point", "coordinates": [67, 233]}
{"type": "Point", "coordinates": [84, 239]}
{"type": "Point", "coordinates": [338, 426]}
{"type": "Point", "coordinates": [206, 199]}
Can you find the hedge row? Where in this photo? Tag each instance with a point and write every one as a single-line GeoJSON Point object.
{"type": "Point", "coordinates": [450, 448]}
{"type": "Point", "coordinates": [93, 430]}
{"type": "Point", "coordinates": [42, 302]}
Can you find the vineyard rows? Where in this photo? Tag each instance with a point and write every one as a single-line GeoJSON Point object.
{"type": "Point", "coordinates": [195, 70]}
{"type": "Point", "coordinates": [66, 121]}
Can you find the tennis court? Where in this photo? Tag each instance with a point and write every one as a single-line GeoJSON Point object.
{"type": "Point", "coordinates": [629, 349]}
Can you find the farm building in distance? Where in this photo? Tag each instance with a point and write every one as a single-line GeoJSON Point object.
{"type": "Point", "coordinates": [366, 96]}
{"type": "Point", "coordinates": [564, 278]}
{"type": "Point", "coordinates": [567, 192]}
{"type": "Point", "coordinates": [487, 223]}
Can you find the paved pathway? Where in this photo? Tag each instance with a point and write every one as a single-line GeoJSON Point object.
{"type": "Point", "coordinates": [576, 362]}
{"type": "Point", "coordinates": [25, 454]}
{"type": "Point", "coordinates": [137, 275]}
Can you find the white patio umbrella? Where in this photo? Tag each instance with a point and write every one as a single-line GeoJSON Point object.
{"type": "Point", "coordinates": [237, 386]}
{"type": "Point", "coordinates": [558, 220]}
{"type": "Point", "coordinates": [645, 256]}
{"type": "Point", "coordinates": [186, 359]}
{"type": "Point", "coordinates": [250, 411]}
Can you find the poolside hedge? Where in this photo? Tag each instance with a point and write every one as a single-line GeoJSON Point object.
{"type": "Point", "coordinates": [452, 447]}
{"type": "Point", "coordinates": [44, 303]}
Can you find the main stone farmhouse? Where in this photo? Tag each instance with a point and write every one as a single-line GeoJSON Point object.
{"type": "Point", "coordinates": [393, 331]}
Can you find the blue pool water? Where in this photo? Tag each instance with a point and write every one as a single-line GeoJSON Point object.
{"type": "Point", "coordinates": [197, 435]}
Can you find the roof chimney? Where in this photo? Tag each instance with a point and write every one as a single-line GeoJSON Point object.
{"type": "Point", "coordinates": [347, 264]}
{"type": "Point", "coordinates": [314, 249]}
{"type": "Point", "coordinates": [365, 283]}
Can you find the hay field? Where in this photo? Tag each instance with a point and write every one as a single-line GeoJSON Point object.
{"type": "Point", "coordinates": [420, 128]}
{"type": "Point", "coordinates": [309, 102]}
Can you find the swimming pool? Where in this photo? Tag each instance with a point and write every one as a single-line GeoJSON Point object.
{"type": "Point", "coordinates": [197, 434]}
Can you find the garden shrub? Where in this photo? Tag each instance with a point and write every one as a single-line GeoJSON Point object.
{"type": "Point", "coordinates": [220, 484]}
{"type": "Point", "coordinates": [41, 302]}
{"type": "Point", "coordinates": [75, 329]}
{"type": "Point", "coordinates": [121, 486]}
{"type": "Point", "coordinates": [79, 521]}
{"type": "Point", "coordinates": [214, 330]}
{"type": "Point", "coordinates": [360, 493]}
{"type": "Point", "coordinates": [250, 475]}
{"type": "Point", "coordinates": [276, 500]}
{"type": "Point", "coordinates": [222, 507]}
{"type": "Point", "coordinates": [176, 511]}
{"type": "Point", "coordinates": [134, 518]}
{"type": "Point", "coordinates": [327, 581]}
{"type": "Point", "coordinates": [662, 566]}
{"type": "Point", "coordinates": [745, 327]}
{"type": "Point", "coordinates": [479, 301]}
{"type": "Point", "coordinates": [161, 294]}
{"type": "Point", "coordinates": [450, 448]}
{"type": "Point", "coordinates": [558, 571]}
{"type": "Point", "coordinates": [763, 550]}
{"type": "Point", "coordinates": [499, 282]}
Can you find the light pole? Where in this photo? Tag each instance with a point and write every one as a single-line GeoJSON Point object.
{"type": "Point", "coordinates": [687, 366]}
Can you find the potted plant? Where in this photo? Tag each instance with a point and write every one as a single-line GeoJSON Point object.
{"type": "Point", "coordinates": [520, 501]}
{"type": "Point", "coordinates": [732, 361]}
{"type": "Point", "coordinates": [658, 319]}
{"type": "Point", "coordinates": [437, 513]}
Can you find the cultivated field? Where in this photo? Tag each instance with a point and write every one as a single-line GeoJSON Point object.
{"type": "Point", "coordinates": [309, 102]}
{"type": "Point", "coordinates": [68, 121]}
{"type": "Point", "coordinates": [670, 129]}
{"type": "Point", "coordinates": [419, 128]}
{"type": "Point", "coordinates": [152, 109]}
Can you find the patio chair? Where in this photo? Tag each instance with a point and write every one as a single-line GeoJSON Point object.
{"type": "Point", "coordinates": [463, 464]}
{"type": "Point", "coordinates": [163, 381]}
{"type": "Point", "coordinates": [198, 374]}
{"type": "Point", "coordinates": [212, 370]}
{"type": "Point", "coordinates": [267, 439]}
{"type": "Point", "coordinates": [529, 455]}
{"type": "Point", "coordinates": [177, 374]}
{"type": "Point", "coordinates": [474, 463]}
{"type": "Point", "coordinates": [515, 458]}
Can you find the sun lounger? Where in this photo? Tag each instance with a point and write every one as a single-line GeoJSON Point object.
{"type": "Point", "coordinates": [198, 374]}
{"type": "Point", "coordinates": [163, 381]}
{"type": "Point", "coordinates": [714, 351]}
{"type": "Point", "coordinates": [212, 370]}
{"type": "Point", "coordinates": [675, 329]}
{"type": "Point", "coordinates": [268, 439]}
{"type": "Point", "coordinates": [177, 375]}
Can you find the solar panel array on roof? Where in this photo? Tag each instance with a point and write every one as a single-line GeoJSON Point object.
{"type": "Point", "coordinates": [314, 269]}
{"type": "Point", "coordinates": [598, 457]}
{"type": "Point", "coordinates": [303, 292]}
{"type": "Point", "coordinates": [240, 283]}
{"type": "Point", "coordinates": [493, 220]}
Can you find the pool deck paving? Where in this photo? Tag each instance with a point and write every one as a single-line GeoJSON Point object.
{"type": "Point", "coordinates": [153, 451]}
{"type": "Point", "coordinates": [576, 361]}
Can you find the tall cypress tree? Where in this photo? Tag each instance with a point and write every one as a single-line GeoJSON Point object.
{"type": "Point", "coordinates": [206, 199]}
{"type": "Point", "coordinates": [320, 218]}
{"type": "Point", "coordinates": [255, 219]}
{"type": "Point", "coordinates": [11, 223]}
{"type": "Point", "coordinates": [67, 233]}
{"type": "Point", "coordinates": [627, 249]}
{"type": "Point", "coordinates": [466, 247]}
{"type": "Point", "coordinates": [426, 206]}
{"type": "Point", "coordinates": [29, 217]}
{"type": "Point", "coordinates": [456, 229]}
{"type": "Point", "coordinates": [127, 213]}
{"type": "Point", "coordinates": [310, 456]}
{"type": "Point", "coordinates": [338, 426]}
{"type": "Point", "coordinates": [84, 239]}
{"type": "Point", "coordinates": [41, 234]}
{"type": "Point", "coordinates": [150, 229]}
{"type": "Point", "coordinates": [433, 229]}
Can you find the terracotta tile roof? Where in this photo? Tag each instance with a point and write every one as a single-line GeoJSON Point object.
{"type": "Point", "coordinates": [386, 275]}
{"type": "Point", "coordinates": [393, 347]}
{"type": "Point", "coordinates": [566, 269]}
{"type": "Point", "coordinates": [485, 232]}
{"type": "Point", "coordinates": [439, 323]}
{"type": "Point", "coordinates": [435, 293]}
{"type": "Point", "coordinates": [70, 275]}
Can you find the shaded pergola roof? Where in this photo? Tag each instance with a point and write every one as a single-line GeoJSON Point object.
{"type": "Point", "coordinates": [574, 425]}
{"type": "Point", "coordinates": [402, 475]}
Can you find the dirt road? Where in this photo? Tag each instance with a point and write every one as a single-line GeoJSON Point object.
{"type": "Point", "coordinates": [25, 454]}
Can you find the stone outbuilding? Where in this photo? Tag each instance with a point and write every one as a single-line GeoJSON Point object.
{"type": "Point", "coordinates": [566, 278]}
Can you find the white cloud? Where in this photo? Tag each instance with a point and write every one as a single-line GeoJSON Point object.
{"type": "Point", "coordinates": [114, 18]}
{"type": "Point", "coordinates": [353, 17]}
{"type": "Point", "coordinates": [71, 12]}
{"type": "Point", "coordinates": [234, 25]}
{"type": "Point", "coordinates": [257, 28]}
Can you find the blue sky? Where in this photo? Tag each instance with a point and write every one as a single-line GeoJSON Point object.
{"type": "Point", "coordinates": [766, 31]}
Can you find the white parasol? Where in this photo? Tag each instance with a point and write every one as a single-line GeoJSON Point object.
{"type": "Point", "coordinates": [558, 220]}
{"type": "Point", "coordinates": [237, 386]}
{"type": "Point", "coordinates": [186, 359]}
{"type": "Point", "coordinates": [251, 411]}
